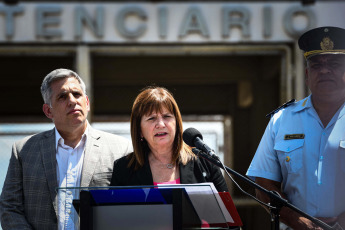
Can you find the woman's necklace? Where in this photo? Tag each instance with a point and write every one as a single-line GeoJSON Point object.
{"type": "Point", "coordinates": [169, 165]}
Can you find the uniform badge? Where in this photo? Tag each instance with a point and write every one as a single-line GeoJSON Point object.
{"type": "Point", "coordinates": [327, 44]}
{"type": "Point", "coordinates": [305, 102]}
{"type": "Point", "coordinates": [293, 136]}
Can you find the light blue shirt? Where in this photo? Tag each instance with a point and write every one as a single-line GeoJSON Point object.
{"type": "Point", "coordinates": [69, 168]}
{"type": "Point", "coordinates": [311, 169]}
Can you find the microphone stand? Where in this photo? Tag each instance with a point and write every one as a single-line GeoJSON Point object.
{"type": "Point", "coordinates": [277, 202]}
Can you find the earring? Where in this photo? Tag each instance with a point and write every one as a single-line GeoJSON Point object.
{"type": "Point", "coordinates": [142, 139]}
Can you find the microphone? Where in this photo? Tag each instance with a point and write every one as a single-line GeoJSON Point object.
{"type": "Point", "coordinates": [193, 138]}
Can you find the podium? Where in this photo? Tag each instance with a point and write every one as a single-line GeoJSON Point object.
{"type": "Point", "coordinates": [167, 207]}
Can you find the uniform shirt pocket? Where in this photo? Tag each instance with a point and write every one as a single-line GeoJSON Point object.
{"type": "Point", "coordinates": [290, 153]}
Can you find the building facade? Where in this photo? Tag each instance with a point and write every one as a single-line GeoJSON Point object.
{"type": "Point", "coordinates": [228, 64]}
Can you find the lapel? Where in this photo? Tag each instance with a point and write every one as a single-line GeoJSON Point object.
{"type": "Point", "coordinates": [144, 174]}
{"type": "Point", "coordinates": [187, 173]}
{"type": "Point", "coordinates": [48, 153]}
{"type": "Point", "coordinates": [91, 156]}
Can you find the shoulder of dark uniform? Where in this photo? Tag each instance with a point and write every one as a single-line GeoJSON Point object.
{"type": "Point", "coordinates": [285, 105]}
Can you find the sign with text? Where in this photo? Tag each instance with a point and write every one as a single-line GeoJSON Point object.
{"type": "Point", "coordinates": [164, 22]}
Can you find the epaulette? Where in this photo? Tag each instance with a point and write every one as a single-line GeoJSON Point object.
{"type": "Point", "coordinates": [281, 107]}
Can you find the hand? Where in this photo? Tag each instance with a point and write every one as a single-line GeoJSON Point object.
{"type": "Point", "coordinates": [305, 224]}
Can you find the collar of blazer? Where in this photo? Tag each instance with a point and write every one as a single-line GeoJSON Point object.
{"type": "Point", "coordinates": [48, 153]}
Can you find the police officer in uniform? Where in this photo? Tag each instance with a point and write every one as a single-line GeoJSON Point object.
{"type": "Point", "coordinates": [302, 152]}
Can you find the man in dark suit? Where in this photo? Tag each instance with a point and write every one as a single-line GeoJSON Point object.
{"type": "Point", "coordinates": [73, 154]}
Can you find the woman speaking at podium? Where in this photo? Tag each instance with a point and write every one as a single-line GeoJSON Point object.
{"type": "Point", "coordinates": [160, 156]}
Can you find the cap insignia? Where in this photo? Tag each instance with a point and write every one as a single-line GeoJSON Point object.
{"type": "Point", "coordinates": [327, 44]}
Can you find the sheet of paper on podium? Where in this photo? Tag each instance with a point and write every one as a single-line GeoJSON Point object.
{"type": "Point", "coordinates": [209, 204]}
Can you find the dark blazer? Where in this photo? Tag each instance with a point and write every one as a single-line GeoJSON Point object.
{"type": "Point", "coordinates": [29, 196]}
{"type": "Point", "coordinates": [195, 171]}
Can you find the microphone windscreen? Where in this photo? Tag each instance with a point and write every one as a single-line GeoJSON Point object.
{"type": "Point", "coordinates": [189, 136]}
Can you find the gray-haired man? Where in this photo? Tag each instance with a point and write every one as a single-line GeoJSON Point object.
{"type": "Point", "coordinates": [72, 154]}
